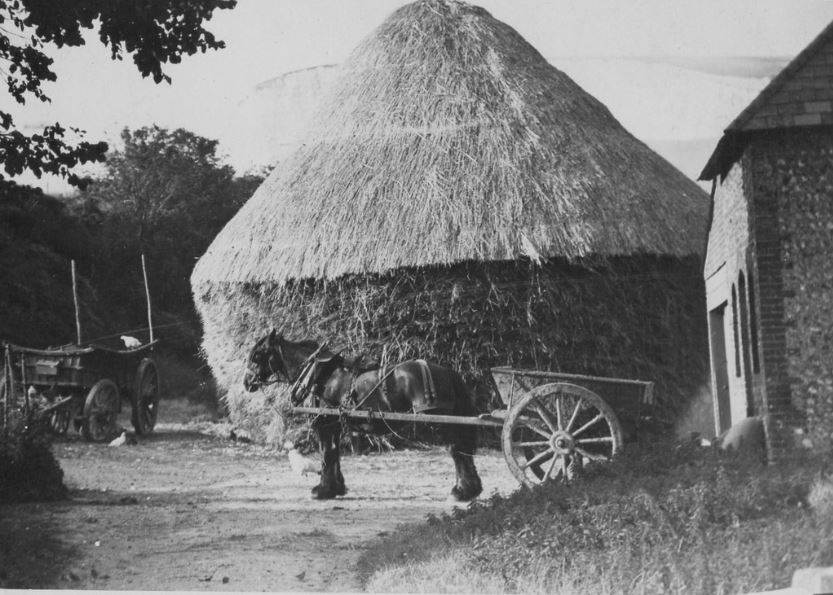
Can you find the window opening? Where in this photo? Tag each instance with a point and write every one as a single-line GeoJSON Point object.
{"type": "Point", "coordinates": [735, 330]}
{"type": "Point", "coordinates": [753, 326]}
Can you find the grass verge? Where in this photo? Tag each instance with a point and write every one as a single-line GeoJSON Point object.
{"type": "Point", "coordinates": [662, 519]}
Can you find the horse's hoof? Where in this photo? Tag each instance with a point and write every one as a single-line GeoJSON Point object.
{"type": "Point", "coordinates": [341, 490]}
{"type": "Point", "coordinates": [319, 493]}
{"type": "Point", "coordinates": [466, 494]}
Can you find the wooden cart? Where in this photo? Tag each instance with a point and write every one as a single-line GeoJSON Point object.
{"type": "Point", "coordinates": [84, 385]}
{"type": "Point", "coordinates": [553, 424]}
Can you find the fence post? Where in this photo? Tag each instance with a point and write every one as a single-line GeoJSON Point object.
{"type": "Point", "coordinates": [147, 296]}
{"type": "Point", "coordinates": [77, 311]}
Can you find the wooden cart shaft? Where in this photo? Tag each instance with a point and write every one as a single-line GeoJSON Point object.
{"type": "Point", "coordinates": [427, 418]}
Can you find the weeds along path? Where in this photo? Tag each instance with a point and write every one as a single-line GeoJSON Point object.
{"type": "Point", "coordinates": [187, 511]}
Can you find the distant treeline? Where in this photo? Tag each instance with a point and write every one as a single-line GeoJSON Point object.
{"type": "Point", "coordinates": [165, 194]}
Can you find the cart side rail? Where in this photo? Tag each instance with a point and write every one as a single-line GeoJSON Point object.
{"type": "Point", "coordinates": [75, 349]}
{"type": "Point", "coordinates": [511, 382]}
{"type": "Point", "coordinates": [565, 376]}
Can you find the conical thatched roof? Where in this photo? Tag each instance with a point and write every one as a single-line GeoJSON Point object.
{"type": "Point", "coordinates": [449, 138]}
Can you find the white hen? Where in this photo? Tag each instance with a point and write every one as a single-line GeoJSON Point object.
{"type": "Point", "coordinates": [301, 464]}
{"type": "Point", "coordinates": [130, 342]}
{"type": "Point", "coordinates": [120, 440]}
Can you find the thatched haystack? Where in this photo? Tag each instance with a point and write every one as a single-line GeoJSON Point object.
{"type": "Point", "coordinates": [460, 198]}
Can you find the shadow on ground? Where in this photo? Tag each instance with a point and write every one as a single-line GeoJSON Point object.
{"type": "Point", "coordinates": [33, 551]}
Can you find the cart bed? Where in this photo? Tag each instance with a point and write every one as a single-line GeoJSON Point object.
{"type": "Point", "coordinates": [632, 400]}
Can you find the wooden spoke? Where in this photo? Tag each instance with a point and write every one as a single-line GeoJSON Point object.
{"type": "Point", "coordinates": [540, 457]}
{"type": "Point", "coordinates": [594, 440]}
{"type": "Point", "coordinates": [558, 414]}
{"type": "Point", "coordinates": [534, 443]}
{"type": "Point", "coordinates": [596, 419]}
{"type": "Point", "coordinates": [552, 472]}
{"type": "Point", "coordinates": [591, 456]}
{"type": "Point", "coordinates": [546, 416]}
{"type": "Point", "coordinates": [534, 427]}
{"type": "Point", "coordinates": [573, 416]}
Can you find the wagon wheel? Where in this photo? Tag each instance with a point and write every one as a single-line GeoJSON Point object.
{"type": "Point", "coordinates": [100, 411]}
{"type": "Point", "coordinates": [59, 420]}
{"type": "Point", "coordinates": [145, 397]}
{"type": "Point", "coordinates": [554, 429]}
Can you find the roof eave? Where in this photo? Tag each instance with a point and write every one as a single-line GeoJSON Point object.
{"type": "Point", "coordinates": [736, 136]}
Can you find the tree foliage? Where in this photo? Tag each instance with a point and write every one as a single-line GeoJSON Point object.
{"type": "Point", "coordinates": [165, 194]}
{"type": "Point", "coordinates": [153, 32]}
{"type": "Point", "coordinates": [39, 235]}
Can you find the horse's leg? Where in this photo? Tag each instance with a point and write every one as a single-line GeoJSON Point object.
{"type": "Point", "coordinates": [462, 445]}
{"type": "Point", "coordinates": [332, 481]}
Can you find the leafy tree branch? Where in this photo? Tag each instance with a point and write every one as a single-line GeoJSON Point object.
{"type": "Point", "coordinates": [153, 32]}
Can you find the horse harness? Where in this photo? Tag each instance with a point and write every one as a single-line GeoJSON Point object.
{"type": "Point", "coordinates": [316, 370]}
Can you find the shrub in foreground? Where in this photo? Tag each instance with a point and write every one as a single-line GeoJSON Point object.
{"type": "Point", "coordinates": [667, 518]}
{"type": "Point", "coordinates": [28, 469]}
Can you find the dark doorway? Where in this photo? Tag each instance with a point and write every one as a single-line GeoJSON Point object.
{"type": "Point", "coordinates": [717, 332]}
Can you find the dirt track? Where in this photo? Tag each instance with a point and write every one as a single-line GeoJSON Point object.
{"type": "Point", "coordinates": [187, 511]}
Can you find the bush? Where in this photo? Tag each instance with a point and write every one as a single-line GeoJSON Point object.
{"type": "Point", "coordinates": [28, 469]}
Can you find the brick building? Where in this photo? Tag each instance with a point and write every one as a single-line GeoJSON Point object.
{"type": "Point", "coordinates": [769, 261]}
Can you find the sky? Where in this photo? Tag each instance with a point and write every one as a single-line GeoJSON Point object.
{"type": "Point", "coordinates": [268, 37]}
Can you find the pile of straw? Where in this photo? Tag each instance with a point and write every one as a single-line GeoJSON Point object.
{"type": "Point", "coordinates": [632, 318]}
{"type": "Point", "coordinates": [449, 151]}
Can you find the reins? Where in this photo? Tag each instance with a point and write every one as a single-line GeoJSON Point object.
{"type": "Point", "coordinates": [301, 383]}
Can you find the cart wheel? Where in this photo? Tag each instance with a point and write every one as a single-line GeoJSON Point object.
{"type": "Point", "coordinates": [59, 420]}
{"type": "Point", "coordinates": [145, 397]}
{"type": "Point", "coordinates": [100, 411]}
{"type": "Point", "coordinates": [552, 431]}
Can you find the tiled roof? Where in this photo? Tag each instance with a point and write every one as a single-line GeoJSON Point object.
{"type": "Point", "coordinates": [800, 95]}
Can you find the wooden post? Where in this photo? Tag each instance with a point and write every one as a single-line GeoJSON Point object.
{"type": "Point", "coordinates": [7, 384]}
{"type": "Point", "coordinates": [147, 295]}
{"type": "Point", "coordinates": [77, 309]}
{"type": "Point", "coordinates": [23, 382]}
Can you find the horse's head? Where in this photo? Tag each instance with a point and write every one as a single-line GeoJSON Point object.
{"type": "Point", "coordinates": [265, 363]}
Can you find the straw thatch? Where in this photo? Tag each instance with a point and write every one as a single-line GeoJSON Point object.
{"type": "Point", "coordinates": [451, 154]}
{"type": "Point", "coordinates": [449, 138]}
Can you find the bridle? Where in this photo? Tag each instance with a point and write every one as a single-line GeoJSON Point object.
{"type": "Point", "coordinates": [301, 384]}
{"type": "Point", "coordinates": [275, 375]}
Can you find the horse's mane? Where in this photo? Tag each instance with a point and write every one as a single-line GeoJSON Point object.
{"type": "Point", "coordinates": [305, 344]}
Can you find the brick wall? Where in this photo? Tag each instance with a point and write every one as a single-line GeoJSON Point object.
{"type": "Point", "coordinates": [768, 286]}
{"type": "Point", "coordinates": [792, 177]}
{"type": "Point", "coordinates": [729, 233]}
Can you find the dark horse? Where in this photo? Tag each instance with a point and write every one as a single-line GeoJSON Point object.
{"type": "Point", "coordinates": [338, 382]}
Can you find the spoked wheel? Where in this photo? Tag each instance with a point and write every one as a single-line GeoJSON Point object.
{"type": "Point", "coordinates": [145, 397]}
{"type": "Point", "coordinates": [59, 420]}
{"type": "Point", "coordinates": [555, 429]}
{"type": "Point", "coordinates": [100, 411]}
